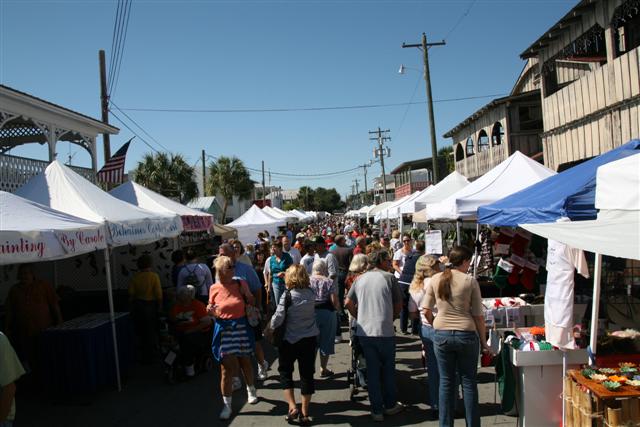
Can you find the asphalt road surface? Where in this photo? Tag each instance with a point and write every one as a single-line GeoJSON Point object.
{"type": "Point", "coordinates": [147, 400]}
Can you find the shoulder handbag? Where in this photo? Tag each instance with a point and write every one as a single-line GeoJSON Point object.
{"type": "Point", "coordinates": [276, 335]}
{"type": "Point", "coordinates": [251, 311]}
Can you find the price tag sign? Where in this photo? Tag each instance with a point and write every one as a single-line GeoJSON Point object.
{"type": "Point", "coordinates": [433, 242]}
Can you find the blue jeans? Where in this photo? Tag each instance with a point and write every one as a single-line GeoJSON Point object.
{"type": "Point", "coordinates": [433, 376]}
{"type": "Point", "coordinates": [6, 423]}
{"type": "Point", "coordinates": [380, 354]}
{"type": "Point", "coordinates": [277, 290]}
{"type": "Point", "coordinates": [404, 313]}
{"type": "Point", "coordinates": [457, 354]}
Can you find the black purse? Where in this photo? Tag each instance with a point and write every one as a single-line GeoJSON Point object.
{"type": "Point", "coordinates": [276, 335]}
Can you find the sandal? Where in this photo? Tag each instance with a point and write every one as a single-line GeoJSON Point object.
{"type": "Point", "coordinates": [305, 420]}
{"type": "Point", "coordinates": [292, 416]}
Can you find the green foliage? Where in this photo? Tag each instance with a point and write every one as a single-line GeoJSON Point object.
{"type": "Point", "coordinates": [290, 205]}
{"type": "Point", "coordinates": [228, 177]}
{"type": "Point", "coordinates": [320, 199]}
{"type": "Point", "coordinates": [447, 153]}
{"type": "Point", "coordinates": [167, 174]}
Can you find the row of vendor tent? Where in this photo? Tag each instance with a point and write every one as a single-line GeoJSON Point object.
{"type": "Point", "coordinates": [269, 219]}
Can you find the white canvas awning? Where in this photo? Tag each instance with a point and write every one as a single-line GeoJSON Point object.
{"type": "Point", "coordinates": [62, 189]}
{"type": "Point", "coordinates": [254, 221]}
{"type": "Point", "coordinates": [616, 232]}
{"type": "Point", "coordinates": [390, 212]}
{"type": "Point", "coordinates": [512, 175]}
{"type": "Point", "coordinates": [30, 232]}
{"type": "Point", "coordinates": [280, 214]}
{"type": "Point", "coordinates": [136, 194]}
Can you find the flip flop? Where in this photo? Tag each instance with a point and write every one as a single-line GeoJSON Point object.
{"type": "Point", "coordinates": [305, 420]}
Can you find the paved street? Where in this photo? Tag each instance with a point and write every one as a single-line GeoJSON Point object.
{"type": "Point", "coordinates": [147, 401]}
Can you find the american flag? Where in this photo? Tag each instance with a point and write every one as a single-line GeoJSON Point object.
{"type": "Point", "coordinates": [113, 170]}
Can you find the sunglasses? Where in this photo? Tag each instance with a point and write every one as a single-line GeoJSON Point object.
{"type": "Point", "coordinates": [407, 241]}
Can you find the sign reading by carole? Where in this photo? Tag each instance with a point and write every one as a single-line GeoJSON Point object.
{"type": "Point", "coordinates": [82, 241]}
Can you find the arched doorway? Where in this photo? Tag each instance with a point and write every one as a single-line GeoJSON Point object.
{"type": "Point", "coordinates": [470, 149]}
{"type": "Point", "coordinates": [459, 152]}
{"type": "Point", "coordinates": [483, 141]}
{"type": "Point", "coordinates": [497, 134]}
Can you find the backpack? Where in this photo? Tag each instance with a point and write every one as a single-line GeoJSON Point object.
{"type": "Point", "coordinates": [192, 278]}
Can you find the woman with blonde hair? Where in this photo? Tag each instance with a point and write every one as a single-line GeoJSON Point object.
{"type": "Point", "coordinates": [426, 267]}
{"type": "Point", "coordinates": [296, 309]}
{"type": "Point", "coordinates": [233, 340]}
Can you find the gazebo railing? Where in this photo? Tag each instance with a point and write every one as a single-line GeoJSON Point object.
{"type": "Point", "coordinates": [16, 171]}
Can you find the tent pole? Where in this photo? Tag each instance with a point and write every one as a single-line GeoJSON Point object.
{"type": "Point", "coordinates": [564, 387]}
{"type": "Point", "coordinates": [458, 236]}
{"type": "Point", "coordinates": [475, 252]}
{"type": "Point", "coordinates": [595, 308]}
{"type": "Point", "coordinates": [107, 265]}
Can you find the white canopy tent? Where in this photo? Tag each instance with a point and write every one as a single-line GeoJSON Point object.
{"type": "Point", "coordinates": [364, 211]}
{"type": "Point", "coordinates": [279, 214]}
{"type": "Point", "coordinates": [254, 221]}
{"type": "Point", "coordinates": [512, 175]}
{"type": "Point", "coordinates": [60, 188]}
{"type": "Point", "coordinates": [451, 184]}
{"type": "Point", "coordinates": [615, 232]}
{"type": "Point", "coordinates": [31, 232]}
{"type": "Point", "coordinates": [138, 195]}
{"type": "Point", "coordinates": [391, 211]}
{"type": "Point", "coordinates": [302, 215]}
{"type": "Point", "coordinates": [408, 205]}
{"type": "Point", "coordinates": [377, 208]}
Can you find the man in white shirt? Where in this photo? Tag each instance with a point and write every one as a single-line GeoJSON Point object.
{"type": "Point", "coordinates": [286, 246]}
{"type": "Point", "coordinates": [309, 256]}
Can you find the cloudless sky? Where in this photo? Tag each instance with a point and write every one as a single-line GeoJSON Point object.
{"type": "Point", "coordinates": [245, 54]}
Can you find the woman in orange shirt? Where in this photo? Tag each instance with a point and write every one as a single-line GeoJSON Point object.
{"type": "Point", "coordinates": [233, 340]}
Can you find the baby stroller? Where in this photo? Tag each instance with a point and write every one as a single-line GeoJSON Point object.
{"type": "Point", "coordinates": [357, 373]}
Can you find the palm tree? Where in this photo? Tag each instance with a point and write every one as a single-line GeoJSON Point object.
{"type": "Point", "coordinates": [229, 177]}
{"type": "Point", "coordinates": [167, 174]}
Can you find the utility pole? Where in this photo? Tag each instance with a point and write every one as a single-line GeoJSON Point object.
{"type": "Point", "coordinates": [204, 175]}
{"type": "Point", "coordinates": [104, 105]}
{"type": "Point", "coordinates": [365, 199]}
{"type": "Point", "coordinates": [381, 137]}
{"type": "Point", "coordinates": [357, 198]}
{"type": "Point", "coordinates": [264, 193]}
{"type": "Point", "coordinates": [424, 46]}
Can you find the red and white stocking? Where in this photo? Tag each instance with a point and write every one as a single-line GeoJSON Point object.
{"type": "Point", "coordinates": [528, 276]}
{"type": "Point", "coordinates": [518, 264]}
{"type": "Point", "coordinates": [520, 242]}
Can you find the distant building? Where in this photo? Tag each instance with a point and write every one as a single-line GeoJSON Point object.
{"type": "Point", "coordinates": [207, 204]}
{"type": "Point", "coordinates": [378, 192]}
{"type": "Point", "coordinates": [278, 197]}
{"type": "Point", "coordinates": [416, 175]}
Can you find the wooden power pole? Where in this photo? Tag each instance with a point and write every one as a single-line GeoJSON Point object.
{"type": "Point", "coordinates": [104, 104]}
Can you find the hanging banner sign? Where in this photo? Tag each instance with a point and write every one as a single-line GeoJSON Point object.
{"type": "Point", "coordinates": [433, 242]}
{"type": "Point", "coordinates": [144, 231]}
{"type": "Point", "coordinates": [81, 241]}
{"type": "Point", "coordinates": [197, 223]}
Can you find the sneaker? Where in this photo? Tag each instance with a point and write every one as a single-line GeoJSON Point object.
{"type": "Point", "coordinates": [338, 339]}
{"type": "Point", "coordinates": [225, 414]}
{"type": "Point", "coordinates": [252, 395]}
{"type": "Point", "coordinates": [236, 384]}
{"type": "Point", "coordinates": [262, 370]}
{"type": "Point", "coordinates": [398, 407]}
{"type": "Point", "coordinates": [189, 371]}
{"type": "Point", "coordinates": [377, 417]}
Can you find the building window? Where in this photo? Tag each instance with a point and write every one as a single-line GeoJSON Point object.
{"type": "Point", "coordinates": [589, 48]}
{"type": "Point", "coordinates": [483, 141]}
{"type": "Point", "coordinates": [459, 152]}
{"type": "Point", "coordinates": [626, 22]}
{"type": "Point", "coordinates": [470, 148]}
{"type": "Point", "coordinates": [497, 134]}
{"type": "Point", "coordinates": [530, 117]}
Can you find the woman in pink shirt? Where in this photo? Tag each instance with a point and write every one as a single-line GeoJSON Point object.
{"type": "Point", "coordinates": [233, 340]}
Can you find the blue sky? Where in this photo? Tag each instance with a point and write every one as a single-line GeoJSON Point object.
{"type": "Point", "coordinates": [272, 54]}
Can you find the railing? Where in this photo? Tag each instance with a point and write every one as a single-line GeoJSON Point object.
{"type": "Point", "coordinates": [482, 162]}
{"type": "Point", "coordinates": [16, 171]}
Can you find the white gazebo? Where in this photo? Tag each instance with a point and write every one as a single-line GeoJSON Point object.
{"type": "Point", "coordinates": [27, 119]}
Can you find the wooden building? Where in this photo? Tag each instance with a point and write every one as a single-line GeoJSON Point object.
{"type": "Point", "coordinates": [590, 84]}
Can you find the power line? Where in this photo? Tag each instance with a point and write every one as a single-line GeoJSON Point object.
{"type": "Point", "coordinates": [116, 29]}
{"type": "Point", "coordinates": [406, 110]}
{"type": "Point", "coordinates": [123, 44]}
{"type": "Point", "coordinates": [133, 131]}
{"type": "Point", "coordinates": [139, 127]}
{"type": "Point", "coordinates": [118, 42]}
{"type": "Point", "coordinates": [460, 19]}
{"type": "Point", "coordinates": [286, 175]}
{"type": "Point", "coordinates": [284, 109]}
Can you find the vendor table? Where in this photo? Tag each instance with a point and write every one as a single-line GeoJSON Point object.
{"type": "Point", "coordinates": [589, 402]}
{"type": "Point", "coordinates": [539, 385]}
{"type": "Point", "coordinates": [78, 355]}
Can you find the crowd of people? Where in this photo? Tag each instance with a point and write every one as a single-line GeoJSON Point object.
{"type": "Point", "coordinates": [298, 289]}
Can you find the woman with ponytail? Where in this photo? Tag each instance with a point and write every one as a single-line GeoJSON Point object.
{"type": "Point", "coordinates": [459, 332]}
